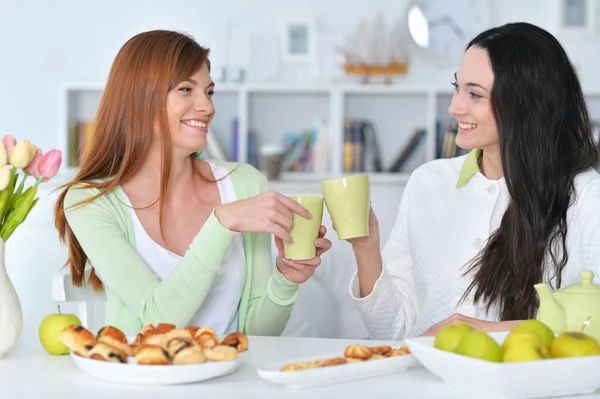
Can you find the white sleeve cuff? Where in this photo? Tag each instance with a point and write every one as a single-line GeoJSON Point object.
{"type": "Point", "coordinates": [355, 287]}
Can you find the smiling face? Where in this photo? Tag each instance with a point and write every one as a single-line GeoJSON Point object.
{"type": "Point", "coordinates": [471, 102]}
{"type": "Point", "coordinates": [190, 110]}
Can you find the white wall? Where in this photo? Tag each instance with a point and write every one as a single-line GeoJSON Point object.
{"type": "Point", "coordinates": [45, 43]}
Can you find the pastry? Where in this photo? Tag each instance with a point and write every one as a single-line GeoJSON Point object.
{"type": "Point", "coordinates": [381, 350]}
{"type": "Point", "coordinates": [138, 339]}
{"type": "Point", "coordinates": [115, 343]}
{"type": "Point", "coordinates": [146, 330]}
{"type": "Point", "coordinates": [78, 339]}
{"type": "Point", "coordinates": [164, 328]}
{"type": "Point", "coordinates": [221, 353]}
{"type": "Point", "coordinates": [204, 330]}
{"type": "Point", "coordinates": [107, 353]}
{"type": "Point", "coordinates": [179, 333]}
{"type": "Point", "coordinates": [400, 351]}
{"type": "Point", "coordinates": [192, 330]}
{"type": "Point", "coordinates": [112, 332]}
{"type": "Point", "coordinates": [206, 337]}
{"type": "Point", "coordinates": [354, 360]}
{"type": "Point", "coordinates": [155, 340]}
{"type": "Point", "coordinates": [177, 344]}
{"type": "Point", "coordinates": [191, 354]}
{"type": "Point", "coordinates": [331, 362]}
{"type": "Point", "coordinates": [151, 355]}
{"type": "Point", "coordinates": [298, 366]}
{"type": "Point", "coordinates": [358, 352]}
{"type": "Point", "coordinates": [236, 339]}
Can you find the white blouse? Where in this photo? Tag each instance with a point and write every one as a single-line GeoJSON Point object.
{"type": "Point", "coordinates": [438, 229]}
{"type": "Point", "coordinates": [220, 308]}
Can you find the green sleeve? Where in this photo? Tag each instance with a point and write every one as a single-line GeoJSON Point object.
{"type": "Point", "coordinates": [272, 295]}
{"type": "Point", "coordinates": [173, 300]}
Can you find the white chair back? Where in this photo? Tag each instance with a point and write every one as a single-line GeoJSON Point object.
{"type": "Point", "coordinates": [63, 291]}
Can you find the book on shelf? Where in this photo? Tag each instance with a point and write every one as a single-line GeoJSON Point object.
{"type": "Point", "coordinates": [235, 138]}
{"type": "Point", "coordinates": [409, 148]}
{"type": "Point", "coordinates": [361, 151]}
{"type": "Point", "coordinates": [308, 150]}
{"type": "Point", "coordinates": [361, 148]}
{"type": "Point", "coordinates": [446, 145]}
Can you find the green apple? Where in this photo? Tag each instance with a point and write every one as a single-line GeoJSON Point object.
{"type": "Point", "coordinates": [449, 336]}
{"type": "Point", "coordinates": [50, 329]}
{"type": "Point", "coordinates": [574, 344]}
{"type": "Point", "coordinates": [480, 345]}
{"type": "Point", "coordinates": [524, 351]}
{"type": "Point", "coordinates": [517, 336]}
{"type": "Point", "coordinates": [541, 329]}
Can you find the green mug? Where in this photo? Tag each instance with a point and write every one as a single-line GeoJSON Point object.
{"type": "Point", "coordinates": [304, 231]}
{"type": "Point", "coordinates": [348, 200]}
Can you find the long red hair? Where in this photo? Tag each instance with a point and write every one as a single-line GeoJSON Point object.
{"type": "Point", "coordinates": [133, 104]}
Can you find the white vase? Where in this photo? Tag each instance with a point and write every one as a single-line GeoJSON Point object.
{"type": "Point", "coordinates": [11, 318]}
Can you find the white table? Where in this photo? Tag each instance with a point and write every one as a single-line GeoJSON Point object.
{"type": "Point", "coordinates": [35, 374]}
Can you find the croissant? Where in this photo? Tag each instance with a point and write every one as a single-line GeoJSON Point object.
{"type": "Point", "coordinates": [221, 353]}
{"type": "Point", "coordinates": [191, 353]}
{"type": "Point", "coordinates": [192, 330]}
{"type": "Point", "coordinates": [78, 339]}
{"type": "Point", "coordinates": [206, 337]}
{"type": "Point", "coordinates": [115, 343]}
{"type": "Point", "coordinates": [151, 355]}
{"type": "Point", "coordinates": [177, 344]}
{"type": "Point", "coordinates": [102, 351]}
{"type": "Point", "coordinates": [179, 333]}
{"type": "Point", "coordinates": [164, 328]}
{"type": "Point", "coordinates": [236, 339]}
{"type": "Point", "coordinates": [113, 332]}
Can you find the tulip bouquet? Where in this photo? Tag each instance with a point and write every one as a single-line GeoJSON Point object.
{"type": "Point", "coordinates": [21, 160]}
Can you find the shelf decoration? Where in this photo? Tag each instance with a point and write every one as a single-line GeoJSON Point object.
{"type": "Point", "coordinates": [371, 50]}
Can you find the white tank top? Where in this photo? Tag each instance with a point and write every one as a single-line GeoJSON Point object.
{"type": "Point", "coordinates": [220, 307]}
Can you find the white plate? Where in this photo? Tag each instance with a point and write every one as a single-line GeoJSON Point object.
{"type": "Point", "coordinates": [534, 379]}
{"type": "Point", "coordinates": [140, 374]}
{"type": "Point", "coordinates": [333, 374]}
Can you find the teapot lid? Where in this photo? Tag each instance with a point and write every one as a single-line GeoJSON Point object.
{"type": "Point", "coordinates": [586, 286]}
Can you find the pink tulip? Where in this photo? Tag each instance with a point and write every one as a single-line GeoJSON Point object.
{"type": "Point", "coordinates": [32, 168]}
{"type": "Point", "coordinates": [49, 164]}
{"type": "Point", "coordinates": [9, 142]}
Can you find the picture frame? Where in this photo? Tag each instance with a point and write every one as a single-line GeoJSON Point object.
{"type": "Point", "coordinates": [299, 40]}
{"type": "Point", "coordinates": [577, 17]}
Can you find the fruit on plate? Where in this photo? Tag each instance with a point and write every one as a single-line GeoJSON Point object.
{"type": "Point", "coordinates": [480, 345]}
{"type": "Point", "coordinates": [574, 344]}
{"type": "Point", "coordinates": [518, 336]}
{"type": "Point", "coordinates": [536, 326]}
{"type": "Point", "coordinates": [51, 328]}
{"type": "Point", "coordinates": [525, 350]}
{"type": "Point", "coordinates": [449, 336]}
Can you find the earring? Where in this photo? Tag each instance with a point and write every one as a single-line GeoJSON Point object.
{"type": "Point", "coordinates": [198, 154]}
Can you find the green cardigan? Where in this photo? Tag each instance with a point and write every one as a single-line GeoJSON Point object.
{"type": "Point", "coordinates": [136, 296]}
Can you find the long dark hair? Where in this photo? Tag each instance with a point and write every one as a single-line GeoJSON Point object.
{"type": "Point", "coordinates": [545, 141]}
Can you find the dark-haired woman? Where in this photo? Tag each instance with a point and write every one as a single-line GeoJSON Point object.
{"type": "Point", "coordinates": [474, 233]}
